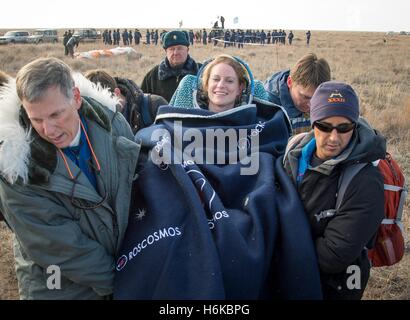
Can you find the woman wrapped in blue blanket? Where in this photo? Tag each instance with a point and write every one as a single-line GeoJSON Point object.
{"type": "Point", "coordinates": [213, 216]}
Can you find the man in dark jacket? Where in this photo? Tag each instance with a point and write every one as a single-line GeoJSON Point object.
{"type": "Point", "coordinates": [164, 78]}
{"type": "Point", "coordinates": [290, 37]}
{"type": "Point", "coordinates": [72, 41]}
{"type": "Point", "coordinates": [139, 109]}
{"type": "Point", "coordinates": [315, 162]}
{"type": "Point", "coordinates": [293, 89]}
{"type": "Point", "coordinates": [137, 36]}
{"type": "Point", "coordinates": [308, 34]}
{"type": "Point", "coordinates": [65, 40]}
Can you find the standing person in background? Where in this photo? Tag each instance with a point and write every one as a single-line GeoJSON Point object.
{"type": "Point", "coordinates": [65, 40]}
{"type": "Point", "coordinates": [191, 37]}
{"type": "Point", "coordinates": [130, 37]}
{"type": "Point", "coordinates": [137, 36]}
{"type": "Point", "coordinates": [148, 37]}
{"type": "Point", "coordinates": [125, 40]}
{"type": "Point", "coordinates": [71, 43]}
{"type": "Point", "coordinates": [204, 36]}
{"type": "Point", "coordinates": [156, 36]}
{"type": "Point", "coordinates": [308, 34]}
{"type": "Point", "coordinates": [109, 37]}
{"type": "Point", "coordinates": [70, 34]}
{"type": "Point", "coordinates": [164, 78]}
{"type": "Point", "coordinates": [293, 89]}
{"type": "Point", "coordinates": [290, 37]}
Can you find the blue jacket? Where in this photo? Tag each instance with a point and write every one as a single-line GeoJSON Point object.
{"type": "Point", "coordinates": [279, 94]}
{"type": "Point", "coordinates": [206, 231]}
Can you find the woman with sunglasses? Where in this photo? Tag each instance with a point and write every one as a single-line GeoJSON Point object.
{"type": "Point", "coordinates": [315, 162]}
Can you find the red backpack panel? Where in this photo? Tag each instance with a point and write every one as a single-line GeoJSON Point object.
{"type": "Point", "coordinates": [389, 246]}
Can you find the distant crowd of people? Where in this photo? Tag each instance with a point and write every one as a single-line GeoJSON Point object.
{"type": "Point", "coordinates": [229, 37]}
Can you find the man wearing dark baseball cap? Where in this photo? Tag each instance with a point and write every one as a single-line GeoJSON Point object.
{"type": "Point", "coordinates": [164, 78]}
{"type": "Point", "coordinates": [315, 162]}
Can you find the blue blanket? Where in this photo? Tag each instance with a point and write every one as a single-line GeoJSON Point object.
{"type": "Point", "coordinates": [208, 231]}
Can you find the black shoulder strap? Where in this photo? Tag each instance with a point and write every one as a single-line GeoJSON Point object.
{"type": "Point", "coordinates": [345, 178]}
{"type": "Point", "coordinates": [145, 110]}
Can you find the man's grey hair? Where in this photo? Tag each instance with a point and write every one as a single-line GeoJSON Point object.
{"type": "Point", "coordinates": [35, 78]}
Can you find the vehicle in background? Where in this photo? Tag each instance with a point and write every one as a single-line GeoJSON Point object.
{"type": "Point", "coordinates": [87, 35]}
{"type": "Point", "coordinates": [14, 37]}
{"type": "Point", "coordinates": [43, 35]}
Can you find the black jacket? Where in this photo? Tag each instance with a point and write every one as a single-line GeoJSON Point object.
{"type": "Point", "coordinates": [340, 240]}
{"type": "Point", "coordinates": [164, 80]}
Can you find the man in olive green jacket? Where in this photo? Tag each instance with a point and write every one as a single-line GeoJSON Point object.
{"type": "Point", "coordinates": [67, 164]}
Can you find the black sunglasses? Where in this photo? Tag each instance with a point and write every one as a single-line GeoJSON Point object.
{"type": "Point", "coordinates": [341, 128]}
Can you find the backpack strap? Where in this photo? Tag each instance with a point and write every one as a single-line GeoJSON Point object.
{"type": "Point", "coordinates": [344, 180]}
{"type": "Point", "coordinates": [403, 196]}
{"type": "Point", "coordinates": [145, 110]}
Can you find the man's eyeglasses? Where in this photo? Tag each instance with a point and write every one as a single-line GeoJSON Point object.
{"type": "Point", "coordinates": [341, 128]}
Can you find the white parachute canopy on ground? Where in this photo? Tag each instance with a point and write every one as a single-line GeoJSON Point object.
{"type": "Point", "coordinates": [106, 53]}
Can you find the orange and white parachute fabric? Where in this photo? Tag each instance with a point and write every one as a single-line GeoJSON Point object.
{"type": "Point", "coordinates": [105, 53]}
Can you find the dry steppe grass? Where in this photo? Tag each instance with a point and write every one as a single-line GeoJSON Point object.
{"type": "Point", "coordinates": [378, 67]}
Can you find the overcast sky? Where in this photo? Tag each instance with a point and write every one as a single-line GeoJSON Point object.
{"type": "Point", "coordinates": [349, 15]}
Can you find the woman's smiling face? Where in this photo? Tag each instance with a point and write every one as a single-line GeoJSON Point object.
{"type": "Point", "coordinates": [223, 88]}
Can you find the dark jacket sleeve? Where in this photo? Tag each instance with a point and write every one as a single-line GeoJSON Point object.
{"type": "Point", "coordinates": [146, 85]}
{"type": "Point", "coordinates": [360, 214]}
